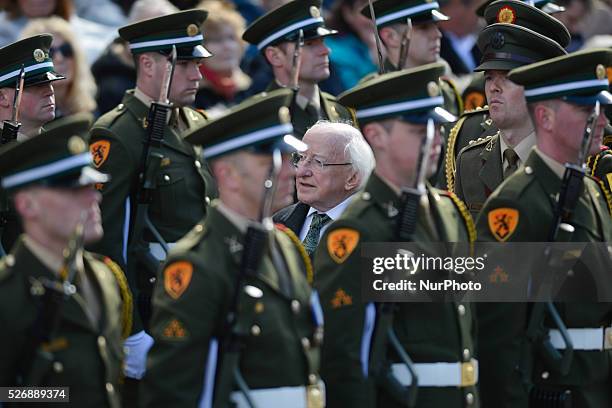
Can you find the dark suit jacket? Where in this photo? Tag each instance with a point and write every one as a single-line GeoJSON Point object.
{"type": "Point", "coordinates": [292, 216]}
{"type": "Point", "coordinates": [448, 53]}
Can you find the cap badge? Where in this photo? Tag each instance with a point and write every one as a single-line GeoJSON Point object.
{"type": "Point", "coordinates": [600, 71]}
{"type": "Point", "coordinates": [315, 12]}
{"type": "Point", "coordinates": [76, 145]}
{"type": "Point", "coordinates": [506, 15]}
{"type": "Point", "coordinates": [433, 89]}
{"type": "Point", "coordinates": [283, 115]}
{"type": "Point", "coordinates": [498, 40]}
{"type": "Point", "coordinates": [39, 55]}
{"type": "Point", "coordinates": [192, 30]}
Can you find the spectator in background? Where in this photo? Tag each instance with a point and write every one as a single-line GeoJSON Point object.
{"type": "Point", "coordinates": [573, 18]}
{"type": "Point", "coordinates": [106, 12]}
{"type": "Point", "coordinates": [114, 71]}
{"type": "Point", "coordinates": [459, 33]}
{"type": "Point", "coordinates": [93, 36]}
{"type": "Point", "coordinates": [76, 93]}
{"type": "Point", "coordinates": [353, 50]}
{"type": "Point", "coordinates": [223, 84]}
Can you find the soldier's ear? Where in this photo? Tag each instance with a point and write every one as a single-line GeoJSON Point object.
{"type": "Point", "coordinates": [375, 134]}
{"type": "Point", "coordinates": [390, 37]}
{"type": "Point", "coordinates": [275, 56]}
{"type": "Point", "coordinates": [146, 64]}
{"type": "Point", "coordinates": [545, 117]}
{"type": "Point", "coordinates": [25, 204]}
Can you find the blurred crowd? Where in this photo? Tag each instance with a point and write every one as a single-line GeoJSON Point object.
{"type": "Point", "coordinates": [99, 67]}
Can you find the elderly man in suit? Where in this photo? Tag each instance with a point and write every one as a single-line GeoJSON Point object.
{"type": "Point", "coordinates": [336, 165]}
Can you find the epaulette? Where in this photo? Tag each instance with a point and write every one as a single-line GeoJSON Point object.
{"type": "Point", "coordinates": [464, 212]}
{"type": "Point", "coordinates": [479, 109]}
{"type": "Point", "coordinates": [361, 202]}
{"type": "Point", "coordinates": [479, 141]}
{"type": "Point", "coordinates": [328, 96]}
{"type": "Point", "coordinates": [607, 195]}
{"type": "Point", "coordinates": [301, 250]}
{"type": "Point", "coordinates": [6, 266]}
{"type": "Point", "coordinates": [517, 185]}
{"type": "Point", "coordinates": [191, 239]}
{"type": "Point", "coordinates": [107, 120]}
{"type": "Point", "coordinates": [127, 304]}
{"type": "Point", "coordinates": [593, 160]}
{"type": "Point", "coordinates": [202, 112]}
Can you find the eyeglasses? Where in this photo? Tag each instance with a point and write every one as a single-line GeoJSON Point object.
{"type": "Point", "coordinates": [65, 49]}
{"type": "Point", "coordinates": [299, 158]}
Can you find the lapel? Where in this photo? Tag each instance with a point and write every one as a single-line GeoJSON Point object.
{"type": "Point", "coordinates": [491, 171]}
{"type": "Point", "coordinates": [73, 309]}
{"type": "Point", "coordinates": [383, 196]}
{"type": "Point", "coordinates": [296, 218]}
{"type": "Point", "coordinates": [140, 111]}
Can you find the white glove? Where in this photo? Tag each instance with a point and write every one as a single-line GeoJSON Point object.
{"type": "Point", "coordinates": [136, 348]}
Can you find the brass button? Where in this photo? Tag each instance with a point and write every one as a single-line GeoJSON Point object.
{"type": "Point", "coordinates": [166, 177]}
{"type": "Point", "coordinates": [9, 260]}
{"type": "Point", "coordinates": [545, 375]}
{"type": "Point", "coordinates": [110, 388]}
{"type": "Point", "coordinates": [461, 310]}
{"type": "Point", "coordinates": [469, 398]}
{"type": "Point", "coordinates": [295, 306]}
{"type": "Point", "coordinates": [528, 170]}
{"type": "Point", "coordinates": [199, 228]}
{"type": "Point", "coordinates": [312, 379]}
{"type": "Point", "coordinates": [120, 106]}
{"type": "Point", "coordinates": [366, 196]}
{"type": "Point", "coordinates": [101, 342]}
{"type": "Point", "coordinates": [466, 354]}
{"type": "Point", "coordinates": [58, 367]}
{"type": "Point", "coordinates": [318, 336]}
{"type": "Point", "coordinates": [198, 164]}
{"type": "Point", "coordinates": [305, 343]}
{"type": "Point", "coordinates": [255, 330]}
{"type": "Point", "coordinates": [207, 200]}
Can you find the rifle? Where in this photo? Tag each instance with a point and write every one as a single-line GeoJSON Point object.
{"type": "Point", "coordinates": [561, 230]}
{"type": "Point", "coordinates": [405, 44]}
{"type": "Point", "coordinates": [53, 295]}
{"type": "Point", "coordinates": [256, 239]}
{"type": "Point", "coordinates": [381, 62]}
{"type": "Point", "coordinates": [10, 129]}
{"type": "Point", "coordinates": [296, 62]}
{"type": "Point", "coordinates": [384, 333]}
{"type": "Point", "coordinates": [150, 163]}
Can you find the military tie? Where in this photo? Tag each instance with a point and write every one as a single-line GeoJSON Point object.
{"type": "Point", "coordinates": [512, 158]}
{"type": "Point", "coordinates": [312, 237]}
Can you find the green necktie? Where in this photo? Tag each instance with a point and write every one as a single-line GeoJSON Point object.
{"type": "Point", "coordinates": [312, 237]}
{"type": "Point", "coordinates": [512, 159]}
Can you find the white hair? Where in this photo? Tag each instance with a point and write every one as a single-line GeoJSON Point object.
{"type": "Point", "coordinates": [145, 9]}
{"type": "Point", "coordinates": [356, 149]}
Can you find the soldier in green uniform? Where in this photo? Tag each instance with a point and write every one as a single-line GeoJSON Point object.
{"type": "Point", "coordinates": [51, 179]}
{"type": "Point", "coordinates": [275, 34]}
{"type": "Point", "coordinates": [424, 40]}
{"type": "Point", "coordinates": [37, 105]}
{"type": "Point", "coordinates": [498, 58]}
{"type": "Point", "coordinates": [560, 94]}
{"type": "Point", "coordinates": [274, 339]}
{"type": "Point", "coordinates": [484, 163]}
{"type": "Point", "coordinates": [183, 183]}
{"type": "Point", "coordinates": [392, 110]}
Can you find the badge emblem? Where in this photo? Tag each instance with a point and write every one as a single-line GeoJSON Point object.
{"type": "Point", "coordinates": [474, 100]}
{"type": "Point", "coordinates": [341, 243]}
{"type": "Point", "coordinates": [503, 222]}
{"type": "Point", "coordinates": [506, 15]}
{"type": "Point", "coordinates": [433, 89]}
{"type": "Point", "coordinates": [192, 30]}
{"type": "Point", "coordinates": [177, 277]}
{"type": "Point", "coordinates": [39, 55]}
{"type": "Point", "coordinates": [99, 152]}
{"type": "Point", "coordinates": [174, 330]}
{"type": "Point", "coordinates": [600, 71]}
{"type": "Point", "coordinates": [76, 145]}
{"type": "Point", "coordinates": [315, 12]}
{"type": "Point", "coordinates": [498, 40]}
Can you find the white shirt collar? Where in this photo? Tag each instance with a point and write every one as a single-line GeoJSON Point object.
{"type": "Point", "coordinates": [333, 213]}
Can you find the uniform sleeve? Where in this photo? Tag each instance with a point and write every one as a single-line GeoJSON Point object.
{"type": "Point", "coordinates": [187, 306]}
{"type": "Point", "coordinates": [112, 157]}
{"type": "Point", "coordinates": [348, 321]}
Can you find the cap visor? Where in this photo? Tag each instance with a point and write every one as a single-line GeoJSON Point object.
{"type": "Point", "coordinates": [319, 32]}
{"type": "Point", "coordinates": [552, 8]}
{"type": "Point", "coordinates": [604, 98]}
{"type": "Point", "coordinates": [498, 65]}
{"type": "Point", "coordinates": [438, 114]}
{"type": "Point", "coordinates": [43, 78]}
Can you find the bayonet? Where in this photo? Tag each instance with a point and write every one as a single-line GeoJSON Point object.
{"type": "Point", "coordinates": [405, 45]}
{"type": "Point", "coordinates": [381, 62]}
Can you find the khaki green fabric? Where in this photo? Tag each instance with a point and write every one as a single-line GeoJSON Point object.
{"type": "Point", "coordinates": [275, 352]}
{"type": "Point", "coordinates": [183, 182]}
{"type": "Point", "coordinates": [501, 327]}
{"type": "Point", "coordinates": [433, 332]}
{"type": "Point", "coordinates": [86, 358]}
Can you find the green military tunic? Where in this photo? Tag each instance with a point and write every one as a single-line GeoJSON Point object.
{"type": "Point", "coordinates": [601, 168]}
{"type": "Point", "coordinates": [184, 182]}
{"type": "Point", "coordinates": [87, 355]}
{"type": "Point", "coordinates": [281, 347]}
{"type": "Point", "coordinates": [531, 191]}
{"type": "Point", "coordinates": [470, 126]}
{"type": "Point", "coordinates": [479, 172]}
{"type": "Point", "coordinates": [433, 332]}
{"type": "Point", "coordinates": [302, 119]}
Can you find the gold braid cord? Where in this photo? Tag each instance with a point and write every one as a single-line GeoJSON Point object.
{"type": "Point", "coordinates": [449, 160]}
{"type": "Point", "coordinates": [592, 163]}
{"type": "Point", "coordinates": [298, 244]}
{"type": "Point", "coordinates": [606, 194]}
{"type": "Point", "coordinates": [467, 218]}
{"type": "Point", "coordinates": [126, 296]}
{"type": "Point", "coordinates": [353, 116]}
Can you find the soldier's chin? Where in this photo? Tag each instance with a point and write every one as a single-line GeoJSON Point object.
{"type": "Point", "coordinates": [93, 233]}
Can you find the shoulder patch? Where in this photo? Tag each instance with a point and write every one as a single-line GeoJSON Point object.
{"type": "Point", "coordinates": [177, 277]}
{"type": "Point", "coordinates": [99, 151]}
{"type": "Point", "coordinates": [503, 222]}
{"type": "Point", "coordinates": [341, 243]}
{"type": "Point", "coordinates": [474, 100]}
